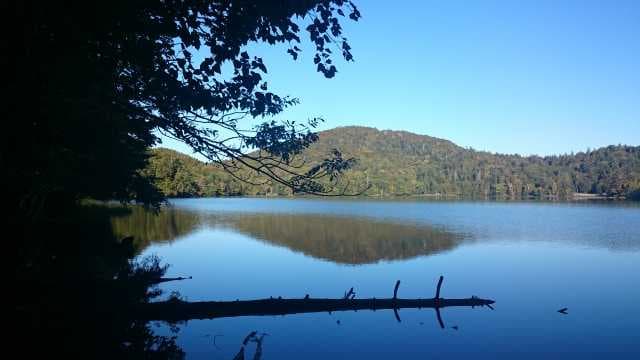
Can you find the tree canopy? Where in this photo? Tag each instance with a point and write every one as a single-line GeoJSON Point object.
{"type": "Point", "coordinates": [399, 163]}
{"type": "Point", "coordinates": [93, 84]}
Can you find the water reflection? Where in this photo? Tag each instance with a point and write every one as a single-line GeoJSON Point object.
{"type": "Point", "coordinates": [150, 227]}
{"type": "Point", "coordinates": [78, 289]}
{"type": "Point", "coordinates": [343, 240]}
{"type": "Point", "coordinates": [252, 337]}
{"type": "Point", "coordinates": [532, 258]}
{"type": "Point", "coordinates": [346, 240]}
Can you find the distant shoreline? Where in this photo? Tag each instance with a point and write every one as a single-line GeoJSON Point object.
{"type": "Point", "coordinates": [574, 197]}
{"type": "Point", "coordinates": [586, 196]}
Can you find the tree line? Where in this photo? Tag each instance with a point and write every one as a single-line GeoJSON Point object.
{"type": "Point", "coordinates": [397, 163]}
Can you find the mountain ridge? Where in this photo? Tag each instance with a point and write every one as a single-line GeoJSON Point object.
{"type": "Point", "coordinates": [398, 162]}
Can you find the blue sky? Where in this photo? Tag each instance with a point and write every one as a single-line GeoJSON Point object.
{"type": "Point", "coordinates": [528, 77]}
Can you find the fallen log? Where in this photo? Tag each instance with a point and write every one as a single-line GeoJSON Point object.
{"type": "Point", "coordinates": [181, 310]}
{"type": "Point", "coordinates": [178, 310]}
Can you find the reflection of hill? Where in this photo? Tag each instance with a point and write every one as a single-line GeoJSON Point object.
{"type": "Point", "coordinates": [148, 227]}
{"type": "Point", "coordinates": [346, 240]}
{"type": "Point", "coordinates": [339, 239]}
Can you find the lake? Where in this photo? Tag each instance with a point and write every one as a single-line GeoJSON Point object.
{"type": "Point", "coordinates": [532, 258]}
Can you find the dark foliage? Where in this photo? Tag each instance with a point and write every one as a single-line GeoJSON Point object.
{"type": "Point", "coordinates": [92, 84]}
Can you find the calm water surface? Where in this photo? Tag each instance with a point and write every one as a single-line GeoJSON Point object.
{"type": "Point", "coordinates": [531, 258]}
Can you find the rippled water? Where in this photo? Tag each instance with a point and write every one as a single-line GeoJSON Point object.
{"type": "Point", "coordinates": [531, 258]}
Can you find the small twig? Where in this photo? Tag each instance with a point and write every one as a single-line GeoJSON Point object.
{"type": "Point", "coordinates": [248, 337]}
{"type": "Point", "coordinates": [395, 297]}
{"type": "Point", "coordinates": [214, 341]}
{"type": "Point", "coordinates": [395, 290]}
{"type": "Point", "coordinates": [438, 288]}
{"type": "Point", "coordinates": [395, 312]}
{"type": "Point", "coordinates": [167, 279]}
{"type": "Point", "coordinates": [439, 317]}
{"type": "Point", "coordinates": [350, 294]}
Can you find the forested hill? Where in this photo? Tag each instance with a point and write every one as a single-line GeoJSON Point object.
{"type": "Point", "coordinates": [392, 163]}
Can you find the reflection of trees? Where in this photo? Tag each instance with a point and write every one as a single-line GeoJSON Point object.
{"type": "Point", "coordinates": [147, 227]}
{"type": "Point", "coordinates": [340, 239]}
{"type": "Point", "coordinates": [346, 240]}
{"type": "Point", "coordinates": [78, 288]}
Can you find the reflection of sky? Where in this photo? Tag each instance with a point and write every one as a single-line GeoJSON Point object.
{"type": "Point", "coordinates": [529, 280]}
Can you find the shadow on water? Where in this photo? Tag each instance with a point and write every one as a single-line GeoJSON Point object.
{"type": "Point", "coordinates": [78, 287]}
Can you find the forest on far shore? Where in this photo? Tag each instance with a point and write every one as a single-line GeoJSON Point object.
{"type": "Point", "coordinates": [399, 163]}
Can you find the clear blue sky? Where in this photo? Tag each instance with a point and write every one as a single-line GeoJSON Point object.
{"type": "Point", "coordinates": [528, 77]}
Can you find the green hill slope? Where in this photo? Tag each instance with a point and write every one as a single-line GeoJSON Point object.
{"type": "Point", "coordinates": [396, 163]}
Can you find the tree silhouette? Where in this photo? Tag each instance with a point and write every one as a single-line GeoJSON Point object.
{"type": "Point", "coordinates": [93, 84]}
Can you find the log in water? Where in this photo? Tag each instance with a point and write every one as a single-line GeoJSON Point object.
{"type": "Point", "coordinates": [177, 310]}
{"type": "Point", "coordinates": [182, 310]}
